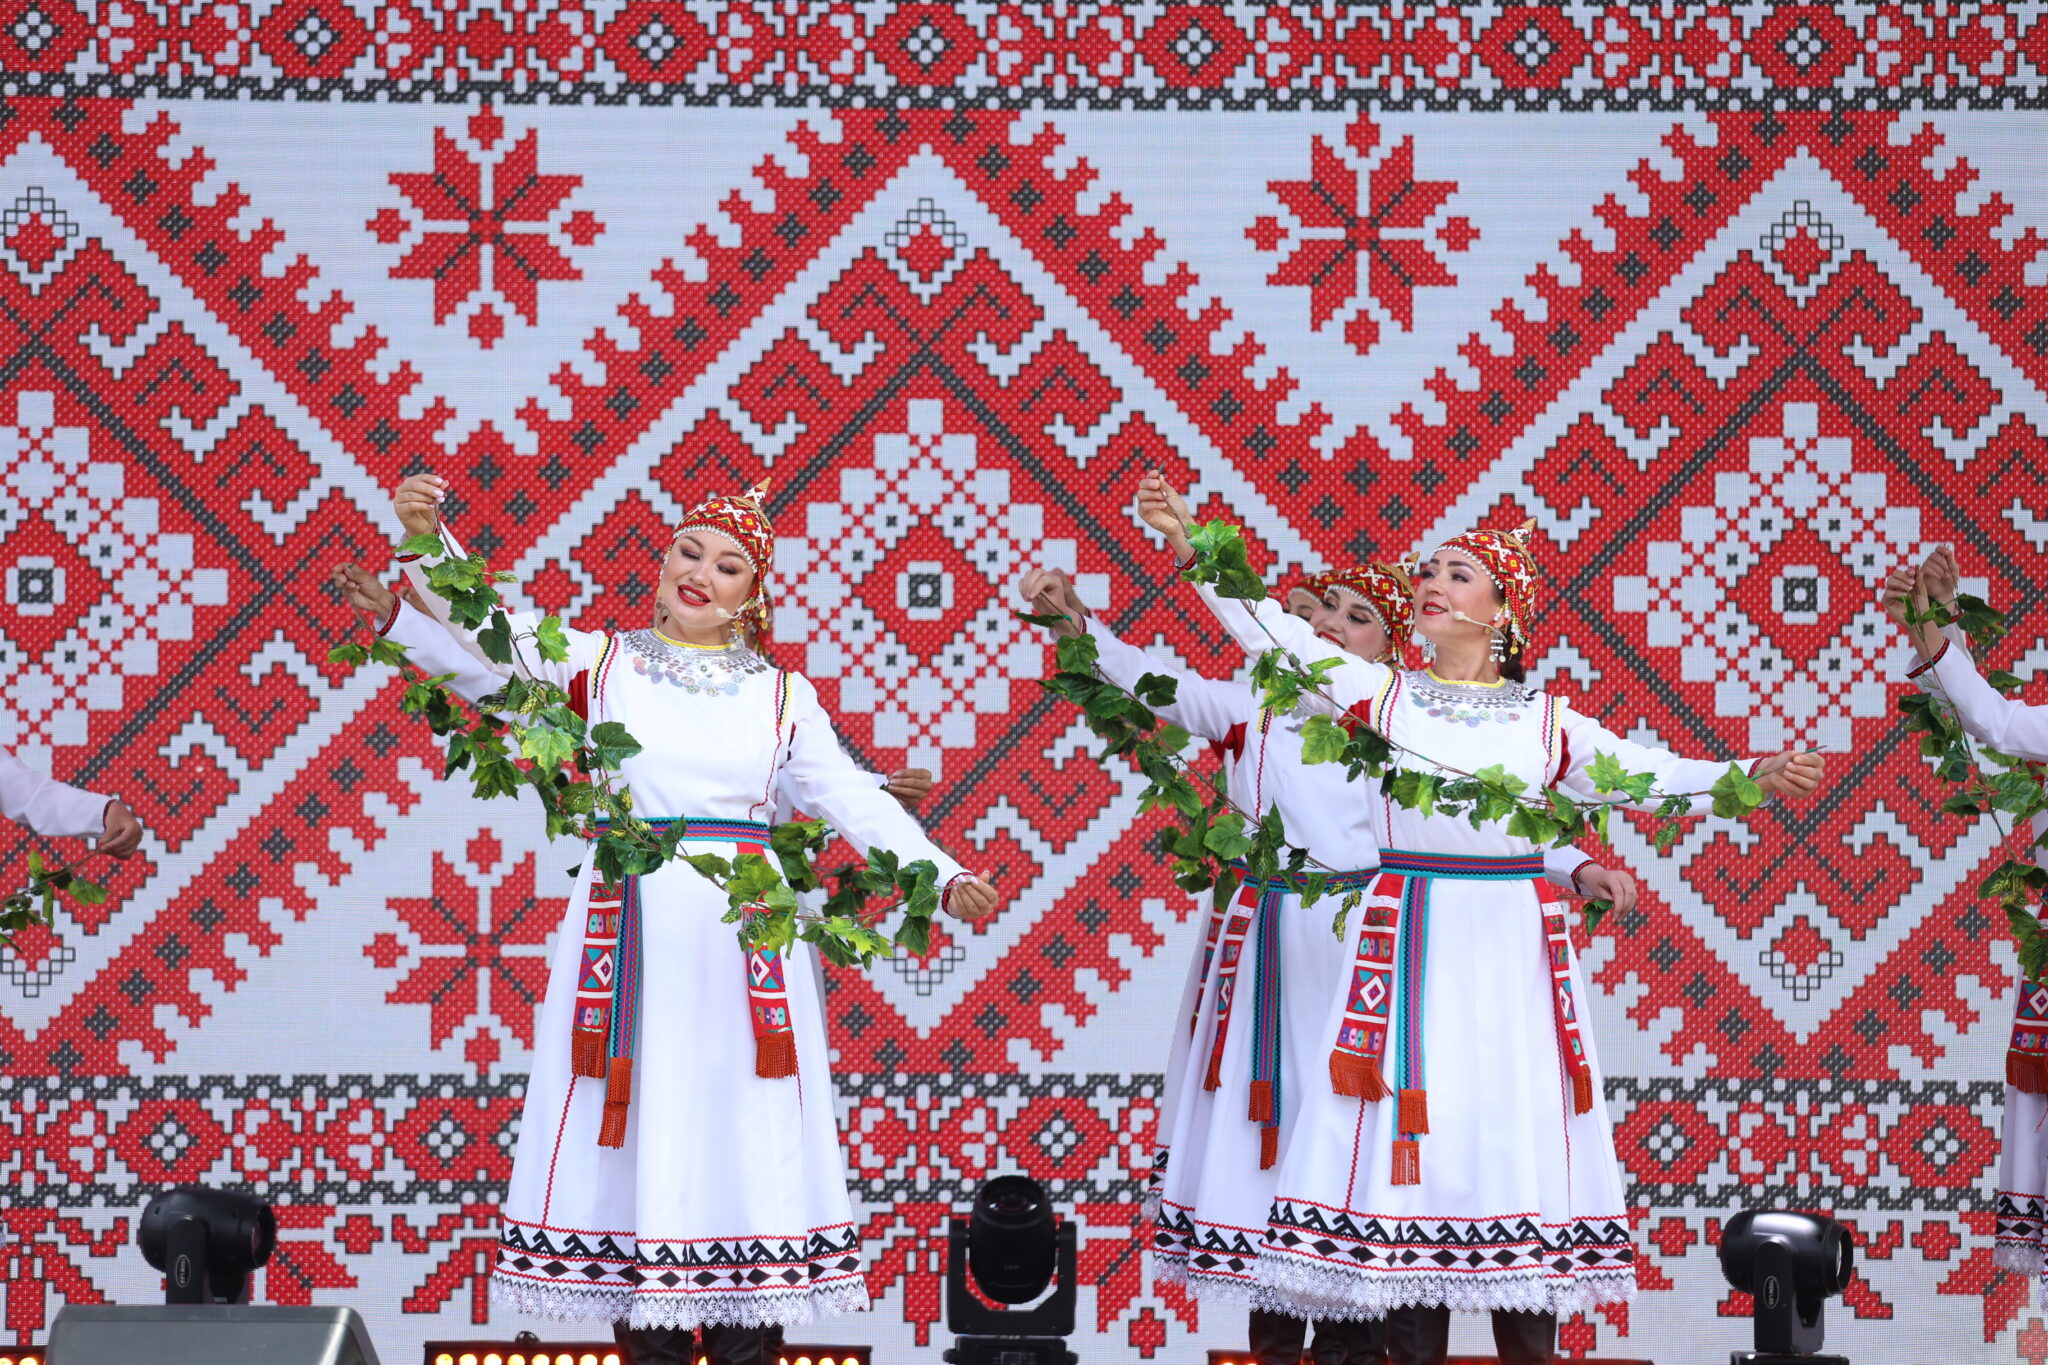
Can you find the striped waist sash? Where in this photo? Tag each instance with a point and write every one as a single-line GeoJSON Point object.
{"type": "Point", "coordinates": [1393, 955]}
{"type": "Point", "coordinates": [605, 1027]}
{"type": "Point", "coordinates": [1258, 903]}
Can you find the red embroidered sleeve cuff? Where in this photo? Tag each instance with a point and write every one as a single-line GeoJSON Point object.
{"type": "Point", "coordinates": [1580, 890]}
{"type": "Point", "coordinates": [391, 617]}
{"type": "Point", "coordinates": [946, 893]}
{"type": "Point", "coordinates": [1929, 663]}
{"type": "Point", "coordinates": [1181, 564]}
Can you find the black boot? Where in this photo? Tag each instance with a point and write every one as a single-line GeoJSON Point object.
{"type": "Point", "coordinates": [1419, 1335]}
{"type": "Point", "coordinates": [1525, 1338]}
{"type": "Point", "coordinates": [735, 1345]}
{"type": "Point", "coordinates": [655, 1345]}
{"type": "Point", "coordinates": [1354, 1342]}
{"type": "Point", "coordinates": [1277, 1338]}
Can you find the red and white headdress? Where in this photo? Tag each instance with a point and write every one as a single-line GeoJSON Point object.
{"type": "Point", "coordinates": [1314, 584]}
{"type": "Point", "coordinates": [742, 520]}
{"type": "Point", "coordinates": [1506, 558]}
{"type": "Point", "coordinates": [1388, 592]}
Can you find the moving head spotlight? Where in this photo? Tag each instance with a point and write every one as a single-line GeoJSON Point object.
{"type": "Point", "coordinates": [206, 1241]}
{"type": "Point", "coordinates": [1791, 1263]}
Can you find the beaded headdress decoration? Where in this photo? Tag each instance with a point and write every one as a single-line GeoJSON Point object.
{"type": "Point", "coordinates": [1388, 591]}
{"type": "Point", "coordinates": [1506, 558]}
{"type": "Point", "coordinates": [740, 519]}
{"type": "Point", "coordinates": [1314, 584]}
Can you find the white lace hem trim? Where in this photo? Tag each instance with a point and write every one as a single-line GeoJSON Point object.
{"type": "Point", "coordinates": [1314, 1291]}
{"type": "Point", "coordinates": [787, 1307]}
{"type": "Point", "coordinates": [2027, 1258]}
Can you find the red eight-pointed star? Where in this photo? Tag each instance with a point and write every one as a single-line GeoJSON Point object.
{"type": "Point", "coordinates": [494, 209]}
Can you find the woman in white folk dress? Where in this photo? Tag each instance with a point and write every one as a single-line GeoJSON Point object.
{"type": "Point", "coordinates": [1945, 668]}
{"type": "Point", "coordinates": [1244, 1046]}
{"type": "Point", "coordinates": [678, 1164]}
{"type": "Point", "coordinates": [1458, 1153]}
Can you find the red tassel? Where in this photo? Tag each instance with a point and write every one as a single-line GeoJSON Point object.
{"type": "Point", "coordinates": [775, 1054]}
{"type": "Point", "coordinates": [1356, 1075]}
{"type": "Point", "coordinates": [618, 1096]}
{"type": "Point", "coordinates": [1582, 1092]}
{"type": "Point", "coordinates": [2027, 1071]}
{"type": "Point", "coordinates": [1262, 1102]}
{"type": "Point", "coordinates": [586, 1054]}
{"type": "Point", "coordinates": [1214, 1076]}
{"type": "Point", "coordinates": [1414, 1113]}
{"type": "Point", "coordinates": [1269, 1147]}
{"type": "Point", "coordinates": [1407, 1162]}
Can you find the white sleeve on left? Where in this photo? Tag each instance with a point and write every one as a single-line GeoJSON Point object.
{"type": "Point", "coordinates": [817, 776]}
{"type": "Point", "coordinates": [46, 805]}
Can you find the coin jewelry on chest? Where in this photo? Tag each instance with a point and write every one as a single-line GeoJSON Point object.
{"type": "Point", "coordinates": [707, 670]}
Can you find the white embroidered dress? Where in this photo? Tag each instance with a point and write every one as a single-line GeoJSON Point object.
{"type": "Point", "coordinates": [728, 1203]}
{"type": "Point", "coordinates": [1215, 1186]}
{"type": "Point", "coordinates": [2020, 1230]}
{"type": "Point", "coordinates": [1519, 1204]}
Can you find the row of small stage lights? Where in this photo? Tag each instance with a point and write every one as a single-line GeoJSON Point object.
{"type": "Point", "coordinates": [481, 1353]}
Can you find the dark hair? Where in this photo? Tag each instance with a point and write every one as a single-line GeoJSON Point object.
{"type": "Point", "coordinates": [1511, 667]}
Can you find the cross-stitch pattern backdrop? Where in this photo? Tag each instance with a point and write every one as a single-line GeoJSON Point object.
{"type": "Point", "coordinates": [1743, 304]}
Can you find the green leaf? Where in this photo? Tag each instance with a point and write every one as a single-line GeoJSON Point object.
{"type": "Point", "coordinates": [388, 651]}
{"type": "Point", "coordinates": [1076, 654]}
{"type": "Point", "coordinates": [1609, 776]}
{"type": "Point", "coordinates": [2003, 681]}
{"type": "Point", "coordinates": [1595, 911]}
{"type": "Point", "coordinates": [1736, 793]}
{"type": "Point", "coordinates": [1323, 740]}
{"type": "Point", "coordinates": [348, 654]}
{"type": "Point", "coordinates": [85, 892]}
{"type": "Point", "coordinates": [427, 545]}
{"type": "Point", "coordinates": [1226, 837]}
{"type": "Point", "coordinates": [495, 639]}
{"type": "Point", "coordinates": [550, 640]}
{"type": "Point", "coordinates": [545, 746]}
{"type": "Point", "coordinates": [1156, 690]}
{"type": "Point", "coordinates": [611, 743]}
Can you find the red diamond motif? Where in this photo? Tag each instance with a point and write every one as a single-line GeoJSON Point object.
{"type": "Point", "coordinates": [48, 586]}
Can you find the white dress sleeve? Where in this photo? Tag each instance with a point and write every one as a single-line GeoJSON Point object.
{"type": "Point", "coordinates": [1561, 867]}
{"type": "Point", "coordinates": [1582, 738]}
{"type": "Point", "coordinates": [434, 651]}
{"type": "Point", "coordinates": [1204, 707]}
{"type": "Point", "coordinates": [584, 645]}
{"type": "Point", "coordinates": [1356, 685]}
{"type": "Point", "coordinates": [415, 570]}
{"type": "Point", "coordinates": [818, 776]}
{"type": "Point", "coordinates": [46, 805]}
{"type": "Point", "coordinates": [2009, 726]}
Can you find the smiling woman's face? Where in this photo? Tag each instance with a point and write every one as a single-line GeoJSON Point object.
{"type": "Point", "coordinates": [705, 581]}
{"type": "Point", "coordinates": [1344, 619]}
{"type": "Point", "coordinates": [1453, 583]}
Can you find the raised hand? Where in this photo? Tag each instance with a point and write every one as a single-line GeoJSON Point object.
{"type": "Point", "coordinates": [361, 589]}
{"type": "Point", "coordinates": [1166, 512]}
{"type": "Point", "coordinates": [1051, 593]}
{"type": "Point", "coordinates": [909, 786]}
{"type": "Point", "coordinates": [971, 898]}
{"type": "Point", "coordinates": [1794, 776]}
{"type": "Point", "coordinates": [121, 834]}
{"type": "Point", "coordinates": [1903, 595]}
{"type": "Point", "coordinates": [418, 503]}
{"type": "Point", "coordinates": [1612, 885]}
{"type": "Point", "coordinates": [1939, 574]}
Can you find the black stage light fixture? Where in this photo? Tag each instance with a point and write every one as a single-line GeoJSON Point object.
{"type": "Point", "coordinates": [206, 1241]}
{"type": "Point", "coordinates": [1791, 1264]}
{"type": "Point", "coordinates": [1014, 1249]}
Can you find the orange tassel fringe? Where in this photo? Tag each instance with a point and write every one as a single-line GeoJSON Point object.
{"type": "Point", "coordinates": [618, 1095]}
{"type": "Point", "coordinates": [1414, 1113]}
{"type": "Point", "coordinates": [1214, 1076]}
{"type": "Point", "coordinates": [1582, 1092]}
{"type": "Point", "coordinates": [1356, 1076]}
{"type": "Point", "coordinates": [775, 1055]}
{"type": "Point", "coordinates": [2027, 1071]}
{"type": "Point", "coordinates": [1269, 1148]}
{"type": "Point", "coordinates": [1261, 1102]}
{"type": "Point", "coordinates": [1407, 1162]}
{"type": "Point", "coordinates": [586, 1054]}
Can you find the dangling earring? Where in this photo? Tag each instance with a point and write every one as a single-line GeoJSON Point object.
{"type": "Point", "coordinates": [1428, 650]}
